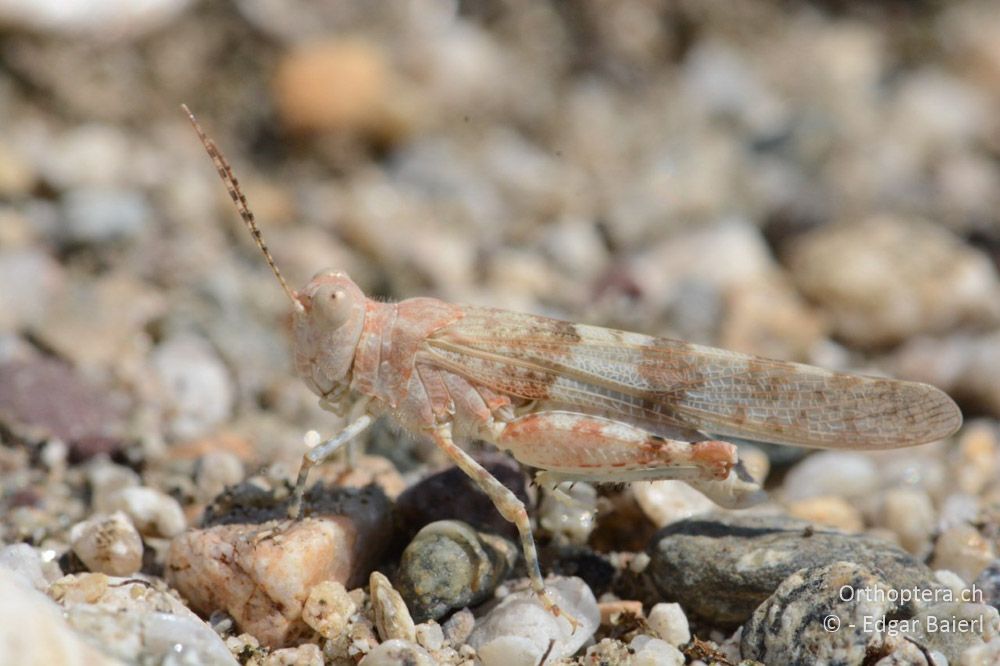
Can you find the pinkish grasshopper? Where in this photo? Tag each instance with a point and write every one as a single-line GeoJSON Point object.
{"type": "Point", "coordinates": [576, 401]}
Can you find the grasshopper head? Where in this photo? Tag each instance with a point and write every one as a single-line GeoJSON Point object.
{"type": "Point", "coordinates": [326, 330]}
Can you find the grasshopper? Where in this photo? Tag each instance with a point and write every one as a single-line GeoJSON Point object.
{"type": "Point", "coordinates": [577, 402]}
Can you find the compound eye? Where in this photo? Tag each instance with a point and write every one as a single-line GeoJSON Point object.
{"type": "Point", "coordinates": [332, 304]}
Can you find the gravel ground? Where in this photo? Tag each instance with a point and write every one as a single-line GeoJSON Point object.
{"type": "Point", "coordinates": [815, 182]}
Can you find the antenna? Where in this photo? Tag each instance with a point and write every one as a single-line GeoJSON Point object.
{"type": "Point", "coordinates": [233, 186]}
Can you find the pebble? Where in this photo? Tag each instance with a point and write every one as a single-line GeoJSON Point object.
{"type": "Point", "coordinates": [962, 364]}
{"type": "Point", "coordinates": [449, 565]}
{"type": "Point", "coordinates": [108, 544]}
{"type": "Point", "coordinates": [28, 563]}
{"type": "Point", "coordinates": [886, 279]}
{"type": "Point", "coordinates": [655, 652]}
{"type": "Point", "coordinates": [334, 85]}
{"type": "Point", "coordinates": [328, 608]}
{"type": "Point", "coordinates": [987, 654]}
{"type": "Point", "coordinates": [307, 654]}
{"type": "Point", "coordinates": [568, 512]}
{"type": "Point", "coordinates": [451, 494]}
{"type": "Point", "coordinates": [793, 625]}
{"type": "Point", "coordinates": [909, 513]}
{"type": "Point", "coordinates": [988, 583]}
{"type": "Point", "coordinates": [840, 473]}
{"type": "Point", "coordinates": [196, 384]}
{"type": "Point", "coordinates": [829, 510]}
{"type": "Point", "coordinates": [458, 627]}
{"type": "Point", "coordinates": [102, 214]}
{"type": "Point", "coordinates": [976, 624]}
{"type": "Point", "coordinates": [215, 471]}
{"type": "Point", "coordinates": [520, 629]}
{"type": "Point", "coordinates": [964, 550]}
{"type": "Point", "coordinates": [720, 567]}
{"type": "Point", "coordinates": [668, 501]}
{"type": "Point", "coordinates": [40, 279]}
{"type": "Point", "coordinates": [259, 567]}
{"type": "Point", "coordinates": [43, 397]}
{"type": "Point", "coordinates": [978, 461]}
{"type": "Point", "coordinates": [153, 512]}
{"type": "Point", "coordinates": [669, 623]}
{"type": "Point", "coordinates": [33, 628]}
{"type": "Point", "coordinates": [102, 20]}
{"type": "Point", "coordinates": [137, 621]}
{"type": "Point", "coordinates": [392, 618]}
{"type": "Point", "coordinates": [105, 479]}
{"type": "Point", "coordinates": [396, 651]}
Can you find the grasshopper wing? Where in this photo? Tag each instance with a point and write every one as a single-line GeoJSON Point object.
{"type": "Point", "coordinates": [674, 384]}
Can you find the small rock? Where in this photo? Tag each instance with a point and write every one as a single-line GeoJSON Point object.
{"type": "Point", "coordinates": [669, 623]}
{"type": "Point", "coordinates": [978, 461]}
{"type": "Point", "coordinates": [665, 502]}
{"type": "Point", "coordinates": [613, 611]}
{"type": "Point", "coordinates": [449, 565]}
{"type": "Point", "coordinates": [27, 562]}
{"type": "Point", "coordinates": [260, 567]}
{"type": "Point", "coordinates": [655, 652]}
{"type": "Point", "coordinates": [988, 585]}
{"type": "Point", "coordinates": [44, 398]}
{"type": "Point", "coordinates": [39, 278]}
{"type": "Point", "coordinates": [458, 627]}
{"type": "Point", "coordinates": [328, 608]}
{"type": "Point", "coordinates": [106, 479]}
{"type": "Point", "coordinates": [840, 473]}
{"type": "Point", "coordinates": [520, 625]}
{"type": "Point", "coordinates": [909, 513]}
{"type": "Point", "coordinates": [396, 651]}
{"type": "Point", "coordinates": [108, 544]}
{"type": "Point", "coordinates": [102, 19]}
{"type": "Point", "coordinates": [335, 85]}
{"type": "Point", "coordinates": [720, 567]}
{"type": "Point", "coordinates": [154, 513]}
{"type": "Point", "coordinates": [953, 627]}
{"type": "Point", "coordinates": [430, 635]}
{"type": "Point", "coordinates": [828, 510]}
{"type": "Point", "coordinates": [33, 630]}
{"type": "Point", "coordinates": [809, 618]}
{"type": "Point", "coordinates": [986, 654]}
{"type": "Point", "coordinates": [568, 511]}
{"type": "Point", "coordinates": [136, 621]}
{"type": "Point", "coordinates": [215, 471]}
{"type": "Point", "coordinates": [451, 494]}
{"type": "Point", "coordinates": [198, 388]}
{"type": "Point", "coordinates": [101, 215]}
{"type": "Point", "coordinates": [307, 654]}
{"type": "Point", "coordinates": [887, 279]}
{"type": "Point", "coordinates": [392, 618]}
{"type": "Point", "coordinates": [964, 550]}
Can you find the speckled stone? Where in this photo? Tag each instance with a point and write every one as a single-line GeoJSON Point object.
{"type": "Point", "coordinates": [449, 565]}
{"type": "Point", "coordinates": [720, 567]}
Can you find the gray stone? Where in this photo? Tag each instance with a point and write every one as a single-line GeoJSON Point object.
{"type": "Point", "coordinates": [449, 565]}
{"type": "Point", "coordinates": [720, 567]}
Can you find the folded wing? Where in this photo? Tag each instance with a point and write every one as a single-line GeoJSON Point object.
{"type": "Point", "coordinates": [643, 379]}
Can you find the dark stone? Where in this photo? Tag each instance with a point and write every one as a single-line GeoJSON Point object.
{"type": "Point", "coordinates": [720, 567]}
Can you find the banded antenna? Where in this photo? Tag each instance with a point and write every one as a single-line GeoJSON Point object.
{"type": "Point", "coordinates": [233, 186]}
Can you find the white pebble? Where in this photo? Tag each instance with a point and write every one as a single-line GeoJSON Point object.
{"type": "Point", "coordinates": [106, 479]}
{"type": "Point", "coordinates": [397, 651]}
{"type": "Point", "coordinates": [669, 623]}
{"type": "Point", "coordinates": [328, 609]}
{"type": "Point", "coordinates": [27, 562]}
{"type": "Point", "coordinates": [154, 513]}
{"type": "Point", "coordinates": [839, 473]}
{"type": "Point", "coordinates": [909, 513]}
{"type": "Point", "coordinates": [392, 617]}
{"type": "Point", "coordinates": [964, 550]}
{"type": "Point", "coordinates": [216, 470]}
{"type": "Point", "coordinates": [108, 544]}
{"type": "Point", "coordinates": [958, 509]}
{"type": "Point", "coordinates": [196, 384]}
{"type": "Point", "coordinates": [952, 581]}
{"type": "Point", "coordinates": [521, 615]}
{"type": "Point", "coordinates": [655, 652]}
{"type": "Point", "coordinates": [510, 651]}
{"type": "Point", "coordinates": [668, 501]}
{"type": "Point", "coordinates": [430, 635]}
{"type": "Point", "coordinates": [567, 512]}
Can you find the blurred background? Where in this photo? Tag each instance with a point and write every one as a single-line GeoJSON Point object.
{"type": "Point", "coordinates": [814, 181]}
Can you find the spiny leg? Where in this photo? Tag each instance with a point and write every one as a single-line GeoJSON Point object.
{"type": "Point", "coordinates": [509, 506]}
{"type": "Point", "coordinates": [320, 453]}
